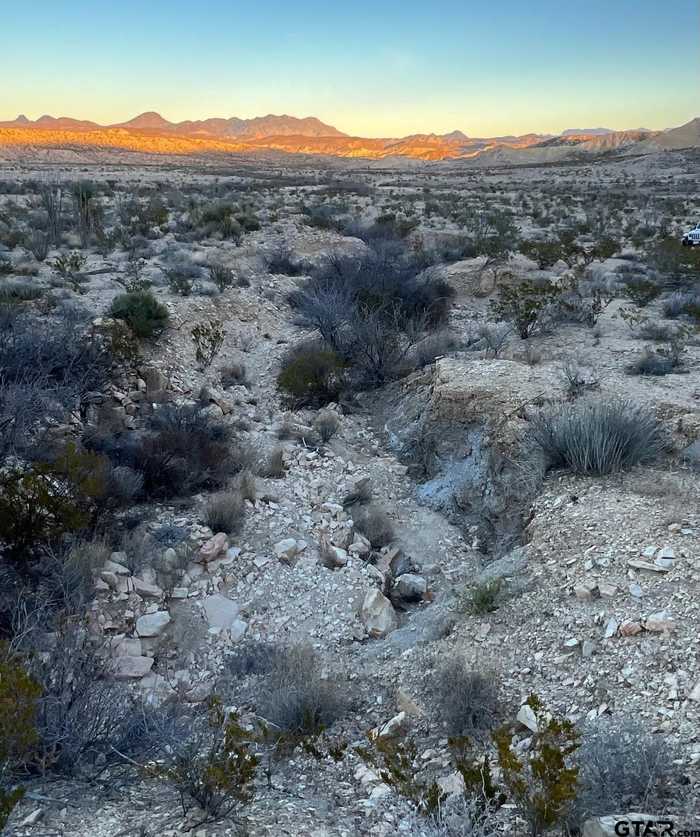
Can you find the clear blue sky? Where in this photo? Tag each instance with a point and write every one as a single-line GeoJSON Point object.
{"type": "Point", "coordinates": [369, 67]}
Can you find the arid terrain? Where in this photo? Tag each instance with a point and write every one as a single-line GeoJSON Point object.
{"type": "Point", "coordinates": [347, 496]}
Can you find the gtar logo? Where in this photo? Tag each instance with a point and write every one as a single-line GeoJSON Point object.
{"type": "Point", "coordinates": [644, 828]}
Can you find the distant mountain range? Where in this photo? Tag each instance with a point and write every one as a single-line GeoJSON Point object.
{"type": "Point", "coordinates": [150, 133]}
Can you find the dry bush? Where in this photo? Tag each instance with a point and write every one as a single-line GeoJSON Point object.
{"type": "Point", "coordinates": [326, 424]}
{"type": "Point", "coordinates": [233, 374]}
{"type": "Point", "coordinates": [274, 466]}
{"type": "Point", "coordinates": [374, 524]}
{"type": "Point", "coordinates": [623, 767]}
{"type": "Point", "coordinates": [467, 700]}
{"type": "Point", "coordinates": [225, 512]}
{"type": "Point", "coordinates": [245, 485]}
{"type": "Point", "coordinates": [295, 698]}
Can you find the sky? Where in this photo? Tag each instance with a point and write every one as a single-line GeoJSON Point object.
{"type": "Point", "coordinates": [374, 68]}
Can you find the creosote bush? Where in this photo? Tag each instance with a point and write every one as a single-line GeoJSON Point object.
{"type": "Point", "coordinates": [311, 376]}
{"type": "Point", "coordinates": [598, 437]}
{"type": "Point", "coordinates": [543, 780]}
{"type": "Point", "coordinates": [214, 768]}
{"type": "Point", "coordinates": [19, 695]}
{"type": "Point", "coordinates": [524, 305]}
{"type": "Point", "coordinates": [142, 312]}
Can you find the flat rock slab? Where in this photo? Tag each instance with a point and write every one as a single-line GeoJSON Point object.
{"type": "Point", "coordinates": [221, 612]}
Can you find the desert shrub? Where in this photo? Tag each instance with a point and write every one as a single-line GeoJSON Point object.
{"type": "Point", "coordinates": [282, 262]}
{"type": "Point", "coordinates": [361, 493]}
{"type": "Point", "coordinates": [38, 505]}
{"type": "Point", "coordinates": [66, 585]}
{"type": "Point", "coordinates": [374, 525]}
{"type": "Point", "coordinates": [640, 290]}
{"type": "Point", "coordinates": [225, 512]}
{"type": "Point", "coordinates": [125, 485]}
{"type": "Point", "coordinates": [311, 375]}
{"type": "Point", "coordinates": [467, 700]}
{"type": "Point", "coordinates": [81, 714]}
{"type": "Point", "coordinates": [545, 253]}
{"type": "Point", "coordinates": [19, 694]}
{"type": "Point", "coordinates": [623, 767]}
{"type": "Point", "coordinates": [142, 312]}
{"type": "Point", "coordinates": [458, 816]}
{"type": "Point", "coordinates": [180, 280]}
{"type": "Point", "coordinates": [434, 346]}
{"type": "Point", "coordinates": [16, 291]}
{"type": "Point", "coordinates": [233, 374]}
{"type": "Point", "coordinates": [214, 767]}
{"type": "Point", "coordinates": [326, 424]}
{"type": "Point", "coordinates": [47, 367]}
{"type": "Point", "coordinates": [274, 466]}
{"type": "Point", "coordinates": [682, 304]}
{"type": "Point", "coordinates": [597, 437]}
{"type": "Point", "coordinates": [525, 305]}
{"type": "Point", "coordinates": [380, 286]}
{"type": "Point", "coordinates": [493, 337]}
{"type": "Point", "coordinates": [579, 377]}
{"type": "Point", "coordinates": [181, 450]}
{"type": "Point", "coordinates": [253, 657]}
{"type": "Point", "coordinates": [656, 331]}
{"type": "Point", "coordinates": [483, 598]}
{"type": "Point", "coordinates": [221, 276]}
{"type": "Point", "coordinates": [245, 484]}
{"type": "Point", "coordinates": [208, 338]}
{"type": "Point", "coordinates": [543, 780]}
{"type": "Point", "coordinates": [658, 362]}
{"type": "Point", "coordinates": [295, 699]}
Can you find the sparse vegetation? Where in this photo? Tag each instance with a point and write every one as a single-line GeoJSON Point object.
{"type": "Point", "coordinates": [598, 437]}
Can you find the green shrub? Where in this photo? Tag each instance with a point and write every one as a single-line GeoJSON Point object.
{"type": "Point", "coordinates": [19, 695]}
{"type": "Point", "coordinates": [543, 781]}
{"type": "Point", "coordinates": [524, 305]}
{"type": "Point", "coordinates": [311, 376]}
{"type": "Point", "coordinates": [142, 312]}
{"type": "Point", "coordinates": [41, 504]}
{"type": "Point", "coordinates": [215, 769]}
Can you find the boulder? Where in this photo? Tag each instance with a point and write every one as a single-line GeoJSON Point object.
{"type": "Point", "coordinates": [126, 667]}
{"type": "Point", "coordinates": [286, 550]}
{"type": "Point", "coordinates": [221, 612]}
{"type": "Point", "coordinates": [377, 615]}
{"type": "Point", "coordinates": [411, 587]}
{"type": "Point", "coordinates": [214, 548]}
{"type": "Point", "coordinates": [152, 624]}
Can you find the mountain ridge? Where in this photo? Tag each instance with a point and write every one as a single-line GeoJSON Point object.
{"type": "Point", "coordinates": [151, 133]}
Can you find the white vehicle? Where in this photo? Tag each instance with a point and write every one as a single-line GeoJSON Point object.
{"type": "Point", "coordinates": [692, 237]}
